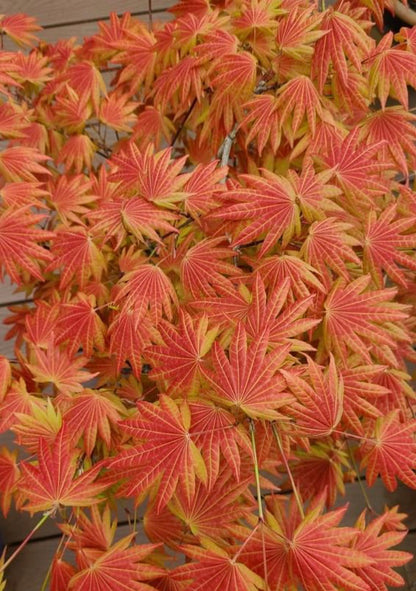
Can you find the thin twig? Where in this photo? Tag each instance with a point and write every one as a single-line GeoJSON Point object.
{"type": "Point", "coordinates": [184, 120]}
{"type": "Point", "coordinates": [225, 148]}
{"type": "Point", "coordinates": [355, 467]}
{"type": "Point", "coordinates": [288, 470]}
{"type": "Point", "coordinates": [150, 12]}
{"type": "Point", "coordinates": [256, 471]}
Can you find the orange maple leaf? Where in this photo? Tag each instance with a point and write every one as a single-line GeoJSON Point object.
{"type": "Point", "coordinates": [168, 454]}
{"type": "Point", "coordinates": [54, 481]}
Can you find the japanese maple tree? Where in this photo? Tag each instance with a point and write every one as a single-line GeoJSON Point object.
{"type": "Point", "coordinates": [214, 224]}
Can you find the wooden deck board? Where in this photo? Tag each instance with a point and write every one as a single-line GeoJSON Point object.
{"type": "Point", "coordinates": [55, 12]}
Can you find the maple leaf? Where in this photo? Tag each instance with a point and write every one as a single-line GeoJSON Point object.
{"type": "Point", "coordinates": [395, 127]}
{"type": "Point", "coordinates": [149, 285]}
{"type": "Point", "coordinates": [150, 175]}
{"type": "Point", "coordinates": [40, 324]}
{"type": "Point", "coordinates": [179, 360]}
{"type": "Point", "coordinates": [296, 33]}
{"type": "Point", "coordinates": [302, 278]}
{"type": "Point", "coordinates": [130, 332]}
{"type": "Point", "coordinates": [61, 573]}
{"type": "Point", "coordinates": [20, 163]}
{"type": "Point", "coordinates": [93, 413]}
{"type": "Point", "coordinates": [71, 112]}
{"type": "Point", "coordinates": [77, 153]}
{"type": "Point", "coordinates": [12, 123]}
{"type": "Point", "coordinates": [19, 243]}
{"type": "Point", "coordinates": [18, 400]}
{"type": "Point", "coordinates": [203, 268]}
{"type": "Point", "coordinates": [354, 318]}
{"type": "Point", "coordinates": [56, 367]}
{"type": "Point", "coordinates": [179, 86]}
{"type": "Point", "coordinates": [54, 481]}
{"type": "Point", "coordinates": [76, 255]}
{"type": "Point", "coordinates": [117, 112]}
{"type": "Point", "coordinates": [344, 39]}
{"type": "Point", "coordinates": [313, 551]}
{"type": "Point", "coordinates": [20, 27]}
{"type": "Point", "coordinates": [80, 325]}
{"type": "Point", "coordinates": [202, 187]}
{"type": "Point", "coordinates": [118, 567]}
{"type": "Point", "coordinates": [215, 432]}
{"type": "Point", "coordinates": [318, 409]}
{"type": "Point", "coordinates": [361, 393]}
{"type": "Point", "coordinates": [119, 218]}
{"type": "Point", "coordinates": [168, 454]}
{"type": "Point", "coordinates": [24, 194]}
{"type": "Point", "coordinates": [9, 475]}
{"type": "Point", "coordinates": [328, 244]}
{"type": "Point", "coordinates": [390, 71]}
{"type": "Point", "coordinates": [355, 170]}
{"type": "Point", "coordinates": [383, 244]}
{"type": "Point", "coordinates": [263, 120]}
{"type": "Point", "coordinates": [235, 76]}
{"type": "Point", "coordinates": [138, 56]}
{"type": "Point", "coordinates": [32, 68]}
{"type": "Point", "coordinates": [70, 196]}
{"type": "Point", "coordinates": [216, 44]}
{"type": "Point", "coordinates": [212, 513]}
{"type": "Point", "coordinates": [216, 570]}
{"type": "Point", "coordinates": [319, 471]}
{"type": "Point", "coordinates": [389, 449]}
{"type": "Point", "coordinates": [269, 205]}
{"type": "Point", "coordinates": [151, 126]}
{"type": "Point", "coordinates": [257, 17]}
{"type": "Point", "coordinates": [95, 532]}
{"type": "Point", "coordinates": [375, 543]}
{"type": "Point", "coordinates": [265, 315]}
{"type": "Point", "coordinates": [247, 380]}
{"type": "Point", "coordinates": [292, 113]}
{"type": "Point", "coordinates": [87, 82]}
{"type": "Point", "coordinates": [44, 421]}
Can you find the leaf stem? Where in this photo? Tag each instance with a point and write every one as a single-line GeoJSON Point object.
{"type": "Point", "coordinates": [288, 470]}
{"type": "Point", "coordinates": [25, 541]}
{"type": "Point", "coordinates": [362, 488]}
{"type": "Point", "coordinates": [256, 471]}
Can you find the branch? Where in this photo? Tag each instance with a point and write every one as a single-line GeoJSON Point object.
{"type": "Point", "coordinates": [406, 14]}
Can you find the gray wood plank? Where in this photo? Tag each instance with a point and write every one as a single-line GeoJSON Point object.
{"type": "Point", "coordinates": [52, 12]}
{"type": "Point", "coordinates": [81, 30]}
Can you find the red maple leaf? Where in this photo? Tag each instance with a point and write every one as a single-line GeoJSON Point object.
{"type": "Point", "coordinates": [216, 432]}
{"type": "Point", "coordinates": [179, 360]}
{"type": "Point", "coordinates": [355, 318]}
{"type": "Point", "coordinates": [319, 399]}
{"type": "Point", "coordinates": [385, 245]}
{"type": "Point", "coordinates": [93, 414]}
{"type": "Point", "coordinates": [389, 449]}
{"type": "Point", "coordinates": [217, 570]}
{"type": "Point", "coordinates": [168, 455]}
{"type": "Point", "coordinates": [20, 27]}
{"type": "Point", "coordinates": [312, 551]}
{"type": "Point", "coordinates": [56, 367]}
{"type": "Point", "coordinates": [19, 243]}
{"type": "Point", "coordinates": [268, 204]}
{"type": "Point", "coordinates": [376, 542]}
{"type": "Point", "coordinates": [247, 380]}
{"type": "Point", "coordinates": [81, 326]}
{"type": "Point", "coordinates": [119, 567]}
{"type": "Point", "coordinates": [391, 70]}
{"type": "Point", "coordinates": [55, 480]}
